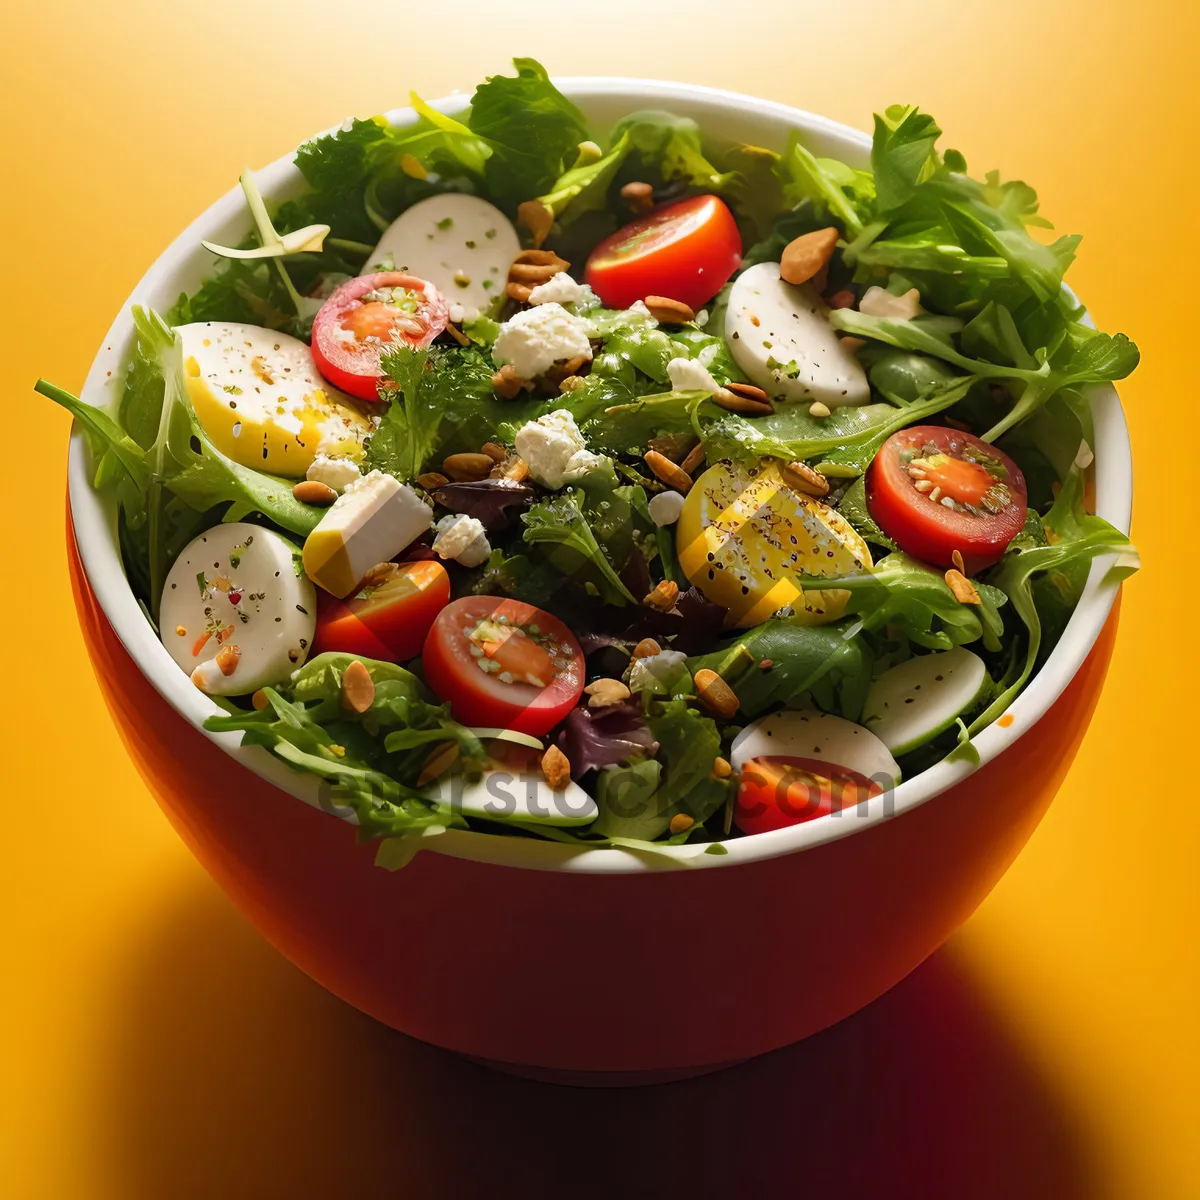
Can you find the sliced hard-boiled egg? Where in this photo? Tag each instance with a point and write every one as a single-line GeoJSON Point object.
{"type": "Point", "coordinates": [780, 335]}
{"type": "Point", "coordinates": [512, 787]}
{"type": "Point", "coordinates": [259, 397]}
{"type": "Point", "coordinates": [236, 615]}
{"type": "Point", "coordinates": [818, 736]}
{"type": "Point", "coordinates": [463, 245]}
{"type": "Point", "coordinates": [745, 532]}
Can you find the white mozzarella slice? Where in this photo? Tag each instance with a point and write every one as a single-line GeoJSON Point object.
{"type": "Point", "coordinates": [369, 523]}
{"type": "Point", "coordinates": [807, 733]}
{"type": "Point", "coordinates": [258, 395]}
{"type": "Point", "coordinates": [235, 614]}
{"type": "Point", "coordinates": [780, 335]}
{"type": "Point", "coordinates": [463, 245]}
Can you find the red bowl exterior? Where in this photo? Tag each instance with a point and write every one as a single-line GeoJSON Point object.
{"type": "Point", "coordinates": [662, 972]}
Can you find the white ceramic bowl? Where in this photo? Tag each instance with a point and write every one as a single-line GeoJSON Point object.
{"type": "Point", "coordinates": [724, 116]}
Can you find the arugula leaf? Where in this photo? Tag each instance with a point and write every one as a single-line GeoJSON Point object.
{"type": "Point", "coordinates": [558, 524]}
{"type": "Point", "coordinates": [820, 182]}
{"type": "Point", "coordinates": [849, 436]}
{"type": "Point", "coordinates": [1077, 538]}
{"type": "Point", "coordinates": [178, 459]}
{"type": "Point", "coordinates": [371, 759]}
{"type": "Point", "coordinates": [530, 127]}
{"type": "Point", "coordinates": [916, 598]}
{"type": "Point", "coordinates": [902, 154]}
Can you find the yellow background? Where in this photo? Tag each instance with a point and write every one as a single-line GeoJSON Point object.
{"type": "Point", "coordinates": [152, 1046]}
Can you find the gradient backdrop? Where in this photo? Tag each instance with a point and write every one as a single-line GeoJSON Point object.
{"type": "Point", "coordinates": [153, 1047]}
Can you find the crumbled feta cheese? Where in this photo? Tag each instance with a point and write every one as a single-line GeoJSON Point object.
{"type": "Point", "coordinates": [879, 302]}
{"type": "Point", "coordinates": [666, 507]}
{"type": "Point", "coordinates": [690, 375]}
{"type": "Point", "coordinates": [461, 538]}
{"type": "Point", "coordinates": [660, 674]}
{"type": "Point", "coordinates": [562, 289]}
{"type": "Point", "coordinates": [554, 449]}
{"type": "Point", "coordinates": [333, 470]}
{"type": "Point", "coordinates": [535, 339]}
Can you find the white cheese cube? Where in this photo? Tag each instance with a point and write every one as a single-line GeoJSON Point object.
{"type": "Point", "coordinates": [369, 523]}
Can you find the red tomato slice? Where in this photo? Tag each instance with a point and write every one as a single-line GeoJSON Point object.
{"type": "Point", "coordinates": [388, 620]}
{"type": "Point", "coordinates": [534, 667]}
{"type": "Point", "coordinates": [685, 251]}
{"type": "Point", "coordinates": [935, 490]}
{"type": "Point", "coordinates": [779, 791]}
{"type": "Point", "coordinates": [368, 316]}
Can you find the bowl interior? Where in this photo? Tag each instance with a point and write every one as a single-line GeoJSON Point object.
{"type": "Point", "coordinates": [725, 117]}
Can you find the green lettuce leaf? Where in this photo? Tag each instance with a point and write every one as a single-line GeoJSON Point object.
{"type": "Point", "coordinates": [638, 801]}
{"type": "Point", "coordinates": [178, 459]}
{"type": "Point", "coordinates": [530, 128]}
{"type": "Point", "coordinates": [801, 658]}
{"type": "Point", "coordinates": [560, 526]}
{"type": "Point", "coordinates": [442, 399]}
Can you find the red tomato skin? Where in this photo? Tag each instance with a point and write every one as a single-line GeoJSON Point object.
{"type": "Point", "coordinates": [339, 630]}
{"type": "Point", "coordinates": [692, 264]}
{"type": "Point", "coordinates": [928, 531]}
{"type": "Point", "coordinates": [762, 807]}
{"type": "Point", "coordinates": [477, 698]}
{"type": "Point", "coordinates": [391, 627]}
{"type": "Point", "coordinates": [359, 375]}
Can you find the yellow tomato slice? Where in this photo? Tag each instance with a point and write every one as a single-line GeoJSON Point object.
{"type": "Point", "coordinates": [744, 533]}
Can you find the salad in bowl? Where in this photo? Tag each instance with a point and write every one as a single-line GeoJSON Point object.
{"type": "Point", "coordinates": [625, 488]}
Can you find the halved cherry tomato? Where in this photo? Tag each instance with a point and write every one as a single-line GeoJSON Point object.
{"type": "Point", "coordinates": [779, 791]}
{"type": "Point", "coordinates": [503, 664]}
{"type": "Point", "coordinates": [388, 619]}
{"type": "Point", "coordinates": [368, 316]}
{"type": "Point", "coordinates": [685, 251]}
{"type": "Point", "coordinates": [935, 490]}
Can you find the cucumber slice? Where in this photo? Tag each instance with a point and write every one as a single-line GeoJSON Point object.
{"type": "Point", "coordinates": [914, 701]}
{"type": "Point", "coordinates": [514, 792]}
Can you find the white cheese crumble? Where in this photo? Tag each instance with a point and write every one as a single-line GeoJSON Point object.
{"type": "Point", "coordinates": [535, 339]}
{"type": "Point", "coordinates": [562, 289]}
{"type": "Point", "coordinates": [461, 538]}
{"type": "Point", "coordinates": [879, 302]}
{"type": "Point", "coordinates": [666, 507]}
{"type": "Point", "coordinates": [333, 470]}
{"type": "Point", "coordinates": [690, 375]}
{"type": "Point", "coordinates": [554, 449]}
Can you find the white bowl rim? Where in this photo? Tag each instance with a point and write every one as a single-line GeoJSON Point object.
{"type": "Point", "coordinates": [94, 524]}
